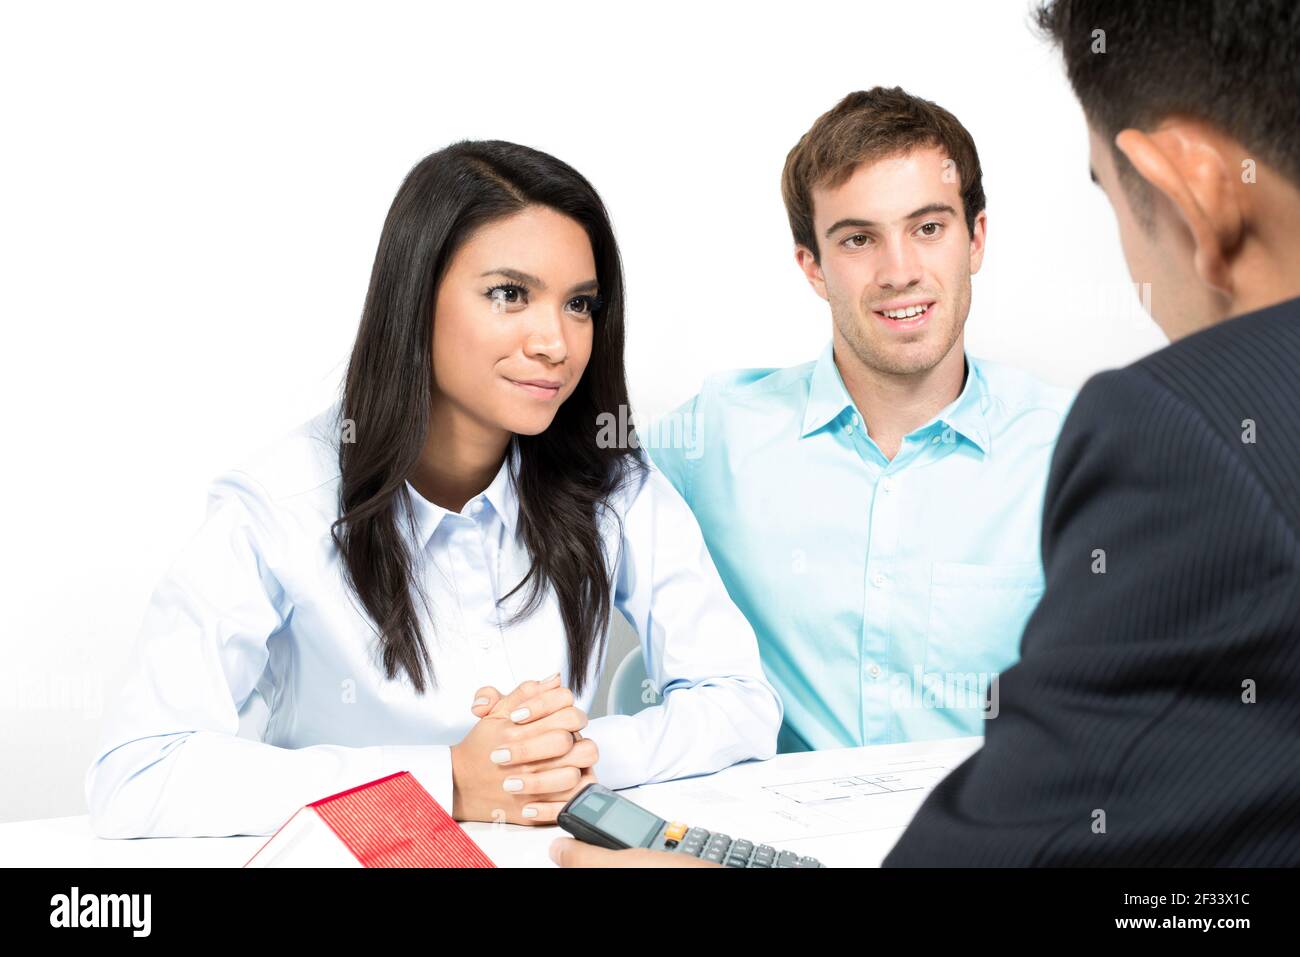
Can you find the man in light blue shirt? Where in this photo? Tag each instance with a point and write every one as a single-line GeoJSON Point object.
{"type": "Point", "coordinates": [875, 513]}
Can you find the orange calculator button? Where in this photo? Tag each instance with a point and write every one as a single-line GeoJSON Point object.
{"type": "Point", "coordinates": [675, 832]}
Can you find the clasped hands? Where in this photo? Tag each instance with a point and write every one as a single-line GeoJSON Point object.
{"type": "Point", "coordinates": [524, 758]}
{"type": "Point", "coordinates": [531, 737]}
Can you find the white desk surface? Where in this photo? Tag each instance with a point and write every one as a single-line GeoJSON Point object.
{"type": "Point", "coordinates": [69, 842]}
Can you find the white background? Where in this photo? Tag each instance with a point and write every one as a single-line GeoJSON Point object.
{"type": "Point", "coordinates": [191, 197]}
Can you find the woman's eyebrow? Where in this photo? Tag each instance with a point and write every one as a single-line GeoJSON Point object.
{"type": "Point", "coordinates": [590, 285]}
{"type": "Point", "coordinates": [516, 275]}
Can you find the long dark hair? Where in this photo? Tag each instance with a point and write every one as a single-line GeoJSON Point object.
{"type": "Point", "coordinates": [564, 477]}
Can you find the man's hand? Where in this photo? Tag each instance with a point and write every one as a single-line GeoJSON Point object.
{"type": "Point", "coordinates": [525, 758]}
{"type": "Point", "coordinates": [567, 852]}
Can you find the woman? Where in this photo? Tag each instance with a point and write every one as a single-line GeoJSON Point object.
{"type": "Point", "coordinates": [361, 589]}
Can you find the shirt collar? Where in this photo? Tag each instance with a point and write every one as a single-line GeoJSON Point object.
{"type": "Point", "coordinates": [965, 414]}
{"type": "Point", "coordinates": [828, 398]}
{"type": "Point", "coordinates": [500, 495]}
{"type": "Point", "coordinates": [827, 395]}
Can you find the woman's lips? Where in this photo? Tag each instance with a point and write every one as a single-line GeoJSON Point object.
{"type": "Point", "coordinates": [538, 388]}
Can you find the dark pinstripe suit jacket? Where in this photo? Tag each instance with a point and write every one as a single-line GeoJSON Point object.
{"type": "Point", "coordinates": [1159, 700]}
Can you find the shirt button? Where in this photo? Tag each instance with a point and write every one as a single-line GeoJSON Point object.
{"type": "Point", "coordinates": [848, 428]}
{"type": "Point", "coordinates": [935, 440]}
{"type": "Point", "coordinates": [874, 671]}
{"type": "Point", "coordinates": [854, 418]}
{"type": "Point", "coordinates": [879, 579]}
{"type": "Point", "coordinates": [887, 485]}
{"type": "Point", "coordinates": [475, 507]}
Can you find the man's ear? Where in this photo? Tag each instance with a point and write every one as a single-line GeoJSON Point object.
{"type": "Point", "coordinates": [978, 235]}
{"type": "Point", "coordinates": [1190, 171]}
{"type": "Point", "coordinates": [804, 258]}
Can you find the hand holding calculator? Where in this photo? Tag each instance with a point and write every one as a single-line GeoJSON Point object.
{"type": "Point", "coordinates": [599, 816]}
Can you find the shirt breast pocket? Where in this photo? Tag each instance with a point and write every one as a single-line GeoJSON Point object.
{"type": "Point", "coordinates": [977, 614]}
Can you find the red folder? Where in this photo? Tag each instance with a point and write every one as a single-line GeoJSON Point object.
{"type": "Point", "coordinates": [391, 822]}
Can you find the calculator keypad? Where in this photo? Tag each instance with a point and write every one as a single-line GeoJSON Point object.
{"type": "Point", "coordinates": [721, 849]}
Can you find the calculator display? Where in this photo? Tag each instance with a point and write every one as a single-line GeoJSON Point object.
{"type": "Point", "coordinates": [599, 816]}
{"type": "Point", "coordinates": [619, 818]}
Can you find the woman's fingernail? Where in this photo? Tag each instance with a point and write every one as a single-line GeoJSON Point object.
{"type": "Point", "coordinates": [519, 714]}
{"type": "Point", "coordinates": [479, 701]}
{"type": "Point", "coordinates": [500, 756]}
{"type": "Point", "coordinates": [513, 784]}
{"type": "Point", "coordinates": [530, 812]}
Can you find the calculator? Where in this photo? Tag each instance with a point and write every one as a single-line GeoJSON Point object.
{"type": "Point", "coordinates": [598, 816]}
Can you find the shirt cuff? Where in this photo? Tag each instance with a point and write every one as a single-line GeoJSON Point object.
{"type": "Point", "coordinates": [620, 763]}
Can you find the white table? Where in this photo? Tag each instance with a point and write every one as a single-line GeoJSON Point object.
{"type": "Point", "coordinates": [714, 802]}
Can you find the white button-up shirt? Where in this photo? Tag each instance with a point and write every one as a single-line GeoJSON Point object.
{"type": "Point", "coordinates": [256, 685]}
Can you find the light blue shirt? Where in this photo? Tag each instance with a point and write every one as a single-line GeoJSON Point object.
{"type": "Point", "coordinates": [256, 684]}
{"type": "Point", "coordinates": [886, 595]}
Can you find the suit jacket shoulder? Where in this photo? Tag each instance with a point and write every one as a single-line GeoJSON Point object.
{"type": "Point", "coordinates": [1151, 715]}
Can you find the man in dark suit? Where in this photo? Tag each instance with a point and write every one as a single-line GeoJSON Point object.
{"type": "Point", "coordinates": [1154, 715]}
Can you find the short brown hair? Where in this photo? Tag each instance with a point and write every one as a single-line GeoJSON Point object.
{"type": "Point", "coordinates": [866, 126]}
